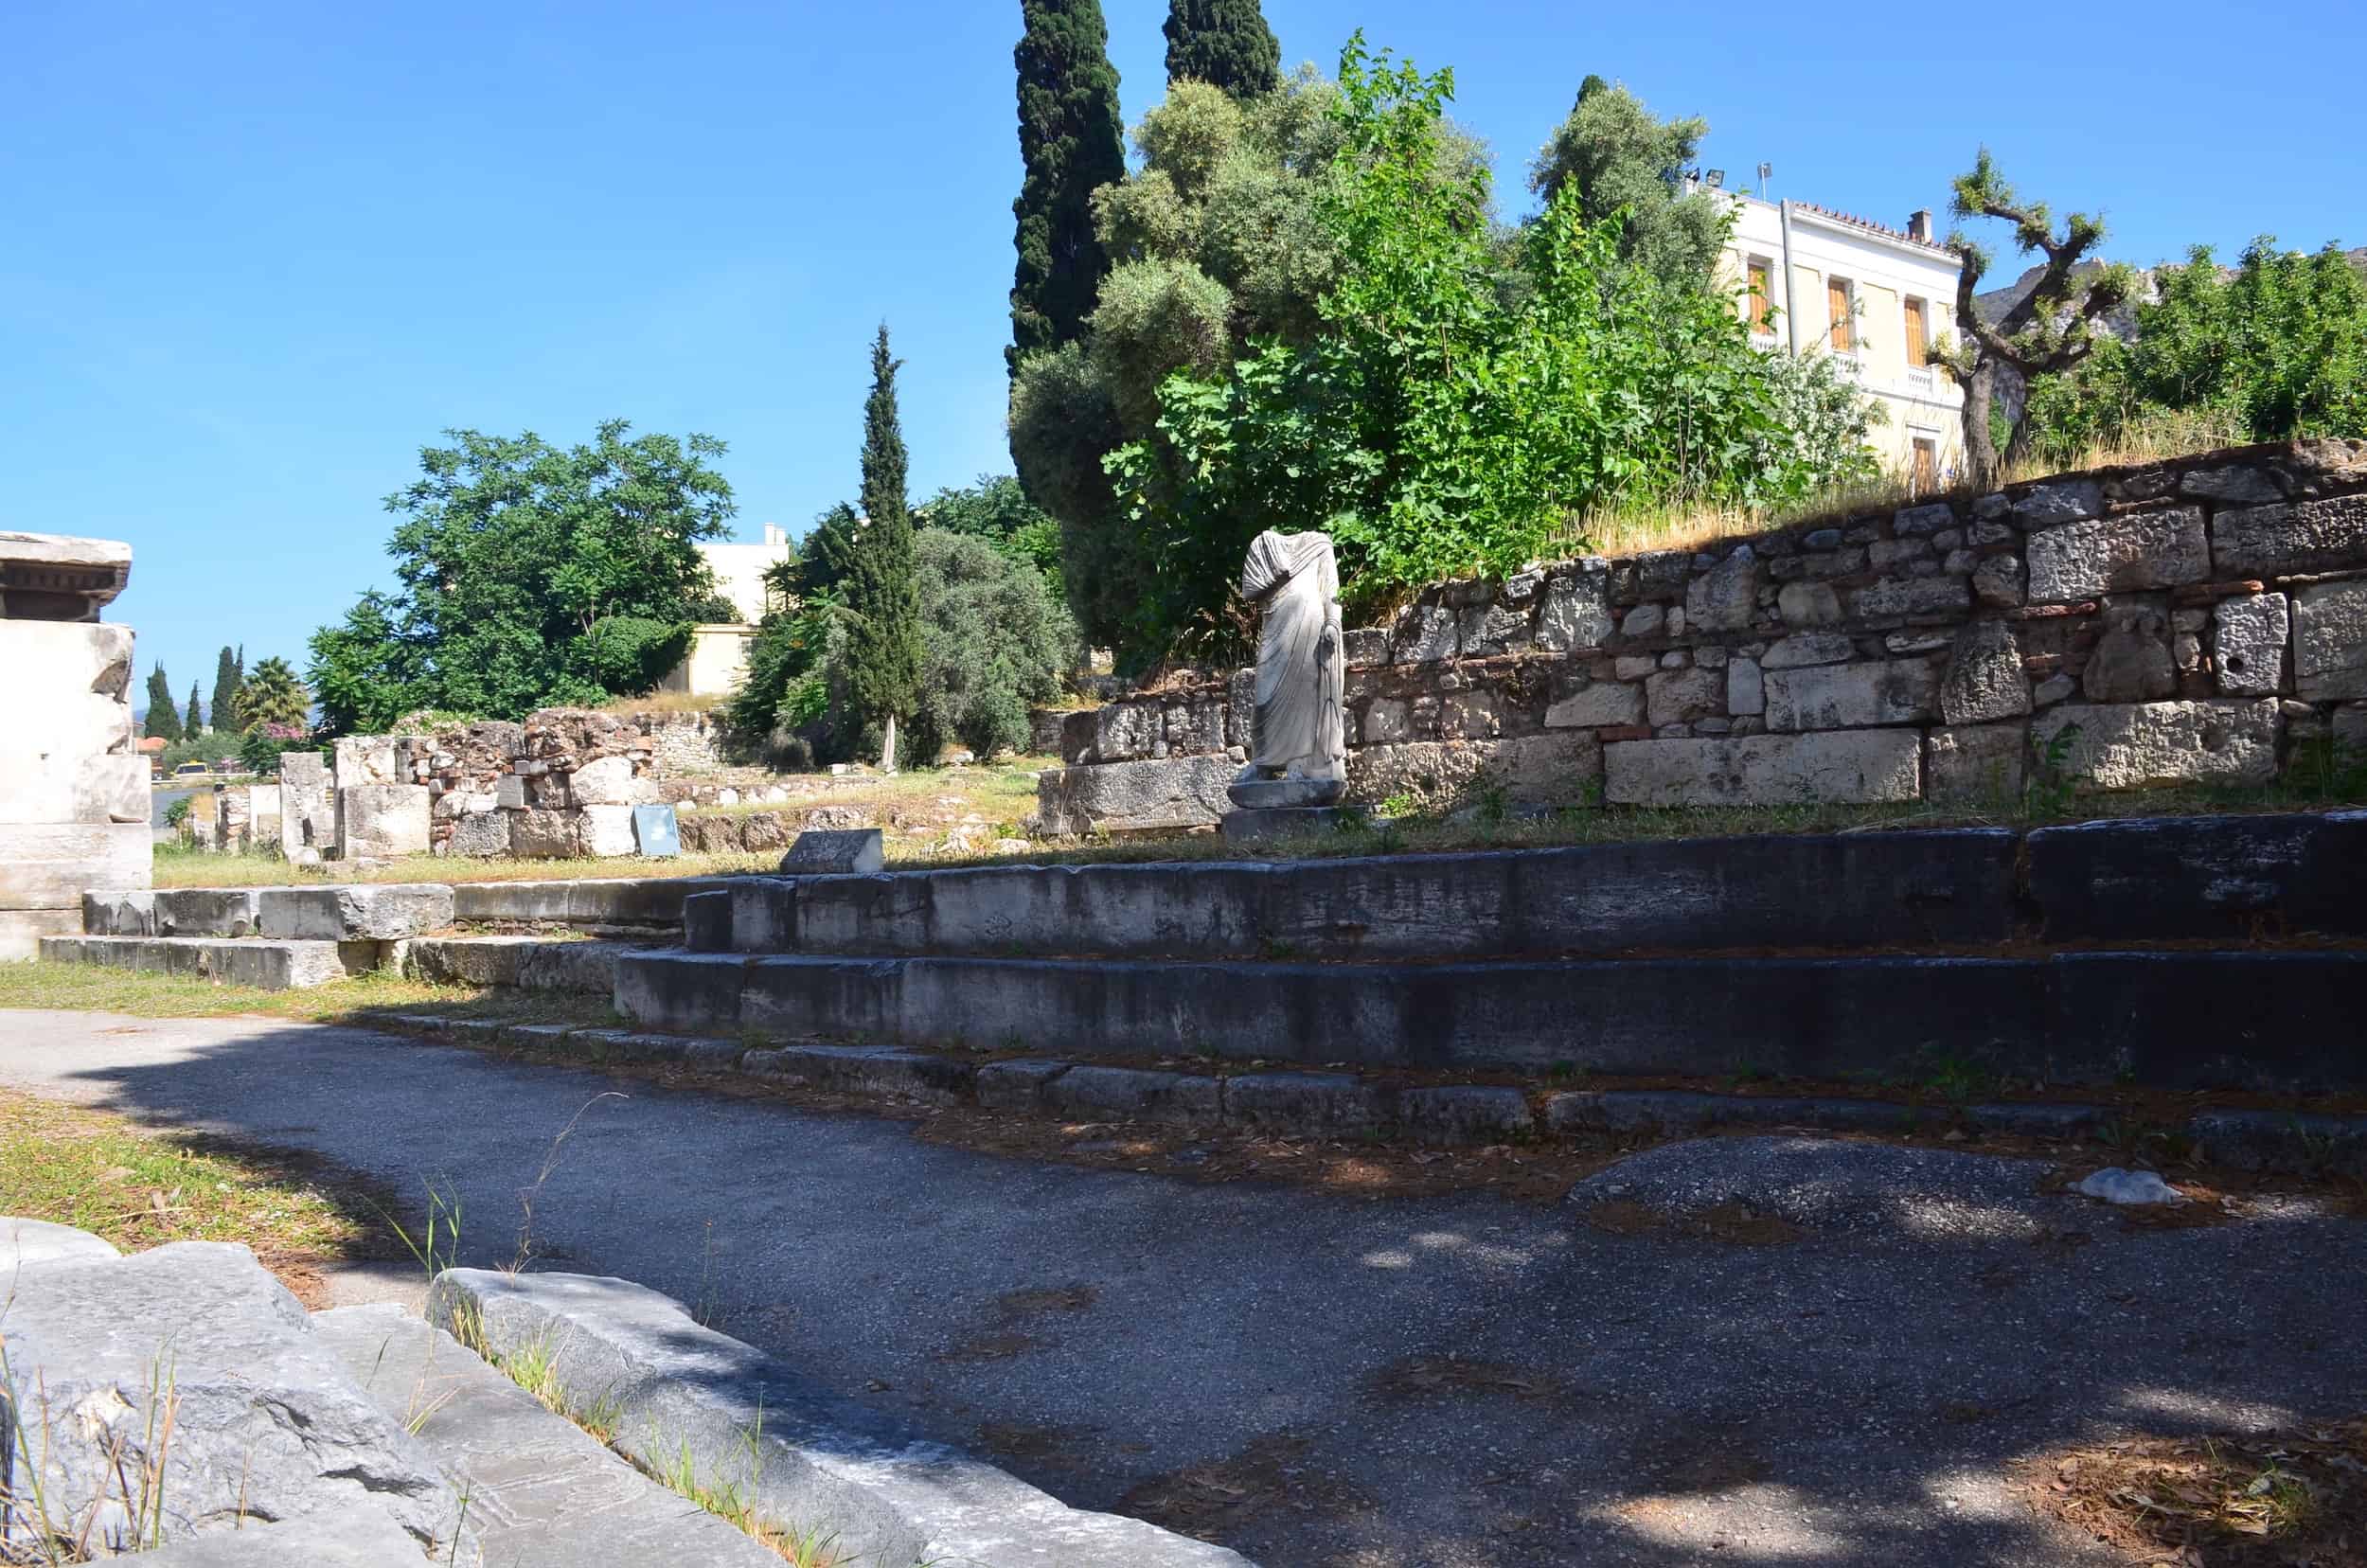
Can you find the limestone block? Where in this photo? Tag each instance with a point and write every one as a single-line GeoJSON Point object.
{"type": "Point", "coordinates": [1644, 620]}
{"type": "Point", "coordinates": [1746, 689]}
{"type": "Point", "coordinates": [1424, 634]}
{"type": "Point", "coordinates": [205, 911]}
{"type": "Point", "coordinates": [381, 821]}
{"type": "Point", "coordinates": [1725, 597]}
{"type": "Point", "coordinates": [608, 831]}
{"type": "Point", "coordinates": [1997, 581]}
{"type": "Point", "coordinates": [1985, 679]}
{"type": "Point", "coordinates": [481, 835]}
{"type": "Point", "coordinates": [376, 912]}
{"type": "Point", "coordinates": [23, 931]}
{"type": "Point", "coordinates": [59, 577]}
{"type": "Point", "coordinates": [1576, 612]}
{"type": "Point", "coordinates": [1488, 630]}
{"type": "Point", "coordinates": [1808, 604]}
{"type": "Point", "coordinates": [119, 911]}
{"type": "Point", "coordinates": [1384, 719]}
{"type": "Point", "coordinates": [1364, 647]}
{"type": "Point", "coordinates": [2330, 639]}
{"type": "Point", "coordinates": [2350, 727]}
{"type": "Point", "coordinates": [2248, 643]}
{"type": "Point", "coordinates": [1976, 764]}
{"type": "Point", "coordinates": [1183, 791]}
{"type": "Point", "coordinates": [365, 759]}
{"type": "Point", "coordinates": [2236, 484]}
{"type": "Point", "coordinates": [2066, 501]}
{"type": "Point", "coordinates": [65, 751]}
{"type": "Point", "coordinates": [1929, 519]}
{"type": "Point", "coordinates": [1681, 696]}
{"type": "Point", "coordinates": [47, 864]}
{"type": "Point", "coordinates": [540, 833]}
{"type": "Point", "coordinates": [606, 782]}
{"type": "Point", "coordinates": [1470, 716]}
{"type": "Point", "coordinates": [1809, 648]}
{"type": "Point", "coordinates": [268, 1423]}
{"type": "Point", "coordinates": [305, 826]}
{"type": "Point", "coordinates": [1911, 599]}
{"type": "Point", "coordinates": [2135, 746]}
{"type": "Point", "coordinates": [1604, 703]}
{"type": "Point", "coordinates": [1848, 767]}
{"type": "Point", "coordinates": [2152, 549]}
{"type": "Point", "coordinates": [2286, 539]}
{"type": "Point", "coordinates": [1537, 770]}
{"type": "Point", "coordinates": [2131, 662]}
{"type": "Point", "coordinates": [1852, 696]}
{"type": "Point", "coordinates": [1124, 730]}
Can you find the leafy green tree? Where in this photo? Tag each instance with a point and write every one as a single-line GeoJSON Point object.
{"type": "Point", "coordinates": [194, 724]}
{"type": "Point", "coordinates": [510, 555]}
{"type": "Point", "coordinates": [1224, 43]}
{"type": "Point", "coordinates": [995, 508]}
{"type": "Point", "coordinates": [1441, 423]}
{"type": "Point", "coordinates": [1070, 143]}
{"type": "Point", "coordinates": [2046, 332]}
{"type": "Point", "coordinates": [229, 669]}
{"type": "Point", "coordinates": [274, 696]}
{"type": "Point", "coordinates": [164, 720]}
{"type": "Point", "coordinates": [260, 747]}
{"type": "Point", "coordinates": [1621, 160]}
{"type": "Point", "coordinates": [2275, 349]}
{"type": "Point", "coordinates": [996, 644]}
{"type": "Point", "coordinates": [883, 601]}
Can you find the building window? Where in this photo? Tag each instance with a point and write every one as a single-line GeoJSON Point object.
{"type": "Point", "coordinates": [1927, 464]}
{"type": "Point", "coordinates": [1762, 294]}
{"type": "Point", "coordinates": [1918, 334]}
{"type": "Point", "coordinates": [1837, 308]}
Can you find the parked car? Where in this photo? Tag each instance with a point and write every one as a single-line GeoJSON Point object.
{"type": "Point", "coordinates": [194, 769]}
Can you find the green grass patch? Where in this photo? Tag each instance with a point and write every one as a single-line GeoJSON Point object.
{"type": "Point", "coordinates": [92, 988]}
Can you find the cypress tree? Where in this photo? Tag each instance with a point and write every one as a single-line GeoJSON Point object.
{"type": "Point", "coordinates": [883, 594]}
{"type": "Point", "coordinates": [1224, 43]}
{"type": "Point", "coordinates": [229, 677]}
{"type": "Point", "coordinates": [1070, 139]}
{"type": "Point", "coordinates": [164, 723]}
{"type": "Point", "coordinates": [194, 726]}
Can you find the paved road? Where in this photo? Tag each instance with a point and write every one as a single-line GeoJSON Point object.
{"type": "Point", "coordinates": [1852, 1398]}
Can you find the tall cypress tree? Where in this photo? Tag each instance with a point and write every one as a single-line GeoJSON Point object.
{"type": "Point", "coordinates": [164, 723]}
{"type": "Point", "coordinates": [229, 677]}
{"type": "Point", "coordinates": [882, 592]}
{"type": "Point", "coordinates": [1224, 43]}
{"type": "Point", "coordinates": [194, 726]}
{"type": "Point", "coordinates": [1070, 137]}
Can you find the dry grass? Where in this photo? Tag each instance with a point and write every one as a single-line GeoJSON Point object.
{"type": "Point", "coordinates": [1680, 525]}
{"type": "Point", "coordinates": [92, 988]}
{"type": "Point", "coordinates": [660, 703]}
{"type": "Point", "coordinates": [139, 1189]}
{"type": "Point", "coordinates": [2294, 1498]}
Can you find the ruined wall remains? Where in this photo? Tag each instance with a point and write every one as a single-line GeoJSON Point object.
{"type": "Point", "coordinates": [74, 801]}
{"type": "Point", "coordinates": [2198, 620]}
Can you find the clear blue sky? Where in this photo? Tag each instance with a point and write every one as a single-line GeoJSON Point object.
{"type": "Point", "coordinates": [252, 257]}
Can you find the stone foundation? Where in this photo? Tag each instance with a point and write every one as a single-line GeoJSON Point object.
{"type": "Point", "coordinates": [2191, 621]}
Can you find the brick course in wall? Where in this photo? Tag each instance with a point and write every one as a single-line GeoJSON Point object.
{"type": "Point", "coordinates": [2187, 621]}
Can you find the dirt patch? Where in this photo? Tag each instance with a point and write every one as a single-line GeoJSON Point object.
{"type": "Point", "coordinates": [1215, 1499]}
{"type": "Point", "coordinates": [1433, 1376]}
{"type": "Point", "coordinates": [2294, 1498]}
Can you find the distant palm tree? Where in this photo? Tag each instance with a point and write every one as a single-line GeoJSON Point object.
{"type": "Point", "coordinates": [273, 695]}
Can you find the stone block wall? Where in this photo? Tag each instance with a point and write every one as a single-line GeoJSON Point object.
{"type": "Point", "coordinates": [2185, 621]}
{"type": "Point", "coordinates": [560, 786]}
{"type": "Point", "coordinates": [74, 800]}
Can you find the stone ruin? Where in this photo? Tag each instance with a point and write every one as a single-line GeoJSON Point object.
{"type": "Point", "coordinates": [74, 799]}
{"type": "Point", "coordinates": [2196, 621]}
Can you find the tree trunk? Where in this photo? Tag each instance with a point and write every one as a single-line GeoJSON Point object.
{"type": "Point", "coordinates": [1981, 459]}
{"type": "Point", "coordinates": [887, 749]}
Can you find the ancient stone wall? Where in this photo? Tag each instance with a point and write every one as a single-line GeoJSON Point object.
{"type": "Point", "coordinates": [2185, 621]}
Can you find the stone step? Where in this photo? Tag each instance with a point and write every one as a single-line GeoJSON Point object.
{"type": "Point", "coordinates": [2274, 1021]}
{"type": "Point", "coordinates": [374, 912]}
{"type": "Point", "coordinates": [623, 903]}
{"type": "Point", "coordinates": [2218, 877]}
{"type": "Point", "coordinates": [260, 962]}
{"type": "Point", "coordinates": [525, 963]}
{"type": "Point", "coordinates": [881, 1492]}
{"type": "Point", "coordinates": [543, 1493]}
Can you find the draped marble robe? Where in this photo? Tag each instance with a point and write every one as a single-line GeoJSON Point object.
{"type": "Point", "coordinates": [1301, 753]}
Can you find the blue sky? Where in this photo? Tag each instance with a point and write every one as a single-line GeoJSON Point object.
{"type": "Point", "coordinates": [252, 257]}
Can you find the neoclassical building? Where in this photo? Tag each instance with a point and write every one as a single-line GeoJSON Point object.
{"type": "Point", "coordinates": [1812, 282]}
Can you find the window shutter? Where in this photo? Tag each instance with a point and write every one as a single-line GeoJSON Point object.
{"type": "Point", "coordinates": [1837, 305]}
{"type": "Point", "coordinates": [1917, 341]}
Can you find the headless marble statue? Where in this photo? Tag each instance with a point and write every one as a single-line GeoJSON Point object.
{"type": "Point", "coordinates": [1301, 755]}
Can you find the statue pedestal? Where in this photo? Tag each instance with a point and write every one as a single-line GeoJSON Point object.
{"type": "Point", "coordinates": [1250, 824]}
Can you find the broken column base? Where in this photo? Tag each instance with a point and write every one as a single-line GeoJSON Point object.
{"type": "Point", "coordinates": [1244, 826]}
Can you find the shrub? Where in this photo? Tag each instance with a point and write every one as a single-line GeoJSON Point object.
{"type": "Point", "coordinates": [995, 644]}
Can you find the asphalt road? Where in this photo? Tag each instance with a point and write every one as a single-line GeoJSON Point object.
{"type": "Point", "coordinates": [1854, 1395]}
